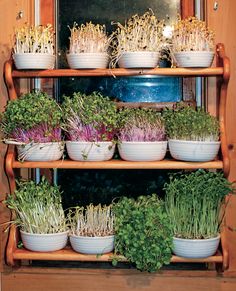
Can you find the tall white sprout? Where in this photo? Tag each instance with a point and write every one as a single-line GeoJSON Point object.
{"type": "Point", "coordinates": [89, 38]}
{"type": "Point", "coordinates": [91, 221]}
{"type": "Point", "coordinates": [139, 33]}
{"type": "Point", "coordinates": [192, 34]}
{"type": "Point", "coordinates": [34, 39]}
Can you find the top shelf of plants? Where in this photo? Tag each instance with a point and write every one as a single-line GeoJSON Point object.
{"type": "Point", "coordinates": [207, 72]}
{"type": "Point", "coordinates": [135, 48]}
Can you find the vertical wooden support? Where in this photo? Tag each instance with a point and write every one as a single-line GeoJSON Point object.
{"type": "Point", "coordinates": [10, 156]}
{"type": "Point", "coordinates": [222, 83]}
{"type": "Point", "coordinates": [224, 245]}
{"type": "Point", "coordinates": [12, 240]}
{"type": "Point", "coordinates": [9, 80]}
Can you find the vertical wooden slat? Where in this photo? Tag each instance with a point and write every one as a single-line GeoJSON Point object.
{"type": "Point", "coordinates": [47, 12]}
{"type": "Point", "coordinates": [187, 8]}
{"type": "Point", "coordinates": [222, 20]}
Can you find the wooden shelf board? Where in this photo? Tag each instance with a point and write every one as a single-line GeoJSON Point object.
{"type": "Point", "coordinates": [68, 254]}
{"type": "Point", "coordinates": [120, 164]}
{"type": "Point", "coordinates": [215, 71]}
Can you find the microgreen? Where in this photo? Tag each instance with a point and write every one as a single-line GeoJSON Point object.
{"type": "Point", "coordinates": [32, 117]}
{"type": "Point", "coordinates": [143, 232]}
{"type": "Point", "coordinates": [139, 33]}
{"type": "Point", "coordinates": [89, 117]}
{"type": "Point", "coordinates": [34, 39]}
{"type": "Point", "coordinates": [88, 38]}
{"type": "Point", "coordinates": [38, 207]}
{"type": "Point", "coordinates": [194, 203]}
{"type": "Point", "coordinates": [191, 34]}
{"type": "Point", "coordinates": [91, 221]}
{"type": "Point", "coordinates": [187, 123]}
{"type": "Point", "coordinates": [140, 125]}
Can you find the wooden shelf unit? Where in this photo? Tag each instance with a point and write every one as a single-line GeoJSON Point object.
{"type": "Point", "coordinates": [221, 71]}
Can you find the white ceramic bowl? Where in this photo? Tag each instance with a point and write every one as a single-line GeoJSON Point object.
{"type": "Point", "coordinates": [195, 248]}
{"type": "Point", "coordinates": [92, 245]}
{"type": "Point", "coordinates": [88, 60]}
{"type": "Point", "coordinates": [199, 59]}
{"type": "Point", "coordinates": [34, 61]}
{"type": "Point", "coordinates": [193, 151]}
{"type": "Point", "coordinates": [138, 60]}
{"type": "Point", "coordinates": [36, 152]}
{"type": "Point", "coordinates": [142, 151]}
{"type": "Point", "coordinates": [90, 151]}
{"type": "Point", "coordinates": [44, 242]}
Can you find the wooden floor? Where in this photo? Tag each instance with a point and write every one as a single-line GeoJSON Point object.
{"type": "Point", "coordinates": [54, 279]}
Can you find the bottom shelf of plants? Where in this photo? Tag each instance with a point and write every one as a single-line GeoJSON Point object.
{"type": "Point", "coordinates": [67, 254]}
{"type": "Point", "coordinates": [148, 232]}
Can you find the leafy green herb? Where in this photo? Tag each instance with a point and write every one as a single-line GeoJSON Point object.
{"type": "Point", "coordinates": [143, 232]}
{"type": "Point", "coordinates": [186, 123]}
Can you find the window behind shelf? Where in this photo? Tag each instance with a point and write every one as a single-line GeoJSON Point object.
{"type": "Point", "coordinates": [152, 88]}
{"type": "Point", "coordinates": [90, 186]}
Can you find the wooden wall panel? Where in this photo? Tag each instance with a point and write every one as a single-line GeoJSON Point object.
{"type": "Point", "coordinates": [9, 21]}
{"type": "Point", "coordinates": [223, 21]}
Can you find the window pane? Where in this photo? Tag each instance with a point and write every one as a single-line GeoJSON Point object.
{"type": "Point", "coordinates": [131, 89]}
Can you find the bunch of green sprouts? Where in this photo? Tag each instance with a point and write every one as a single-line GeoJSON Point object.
{"type": "Point", "coordinates": [37, 207]}
{"type": "Point", "coordinates": [140, 33]}
{"type": "Point", "coordinates": [34, 117]}
{"type": "Point", "coordinates": [184, 122]}
{"type": "Point", "coordinates": [88, 38]}
{"type": "Point", "coordinates": [34, 39]}
{"type": "Point", "coordinates": [195, 203]}
{"type": "Point", "coordinates": [143, 232]}
{"type": "Point", "coordinates": [191, 34]}
{"type": "Point", "coordinates": [91, 221]}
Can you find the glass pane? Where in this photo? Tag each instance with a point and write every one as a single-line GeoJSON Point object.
{"type": "Point", "coordinates": [140, 89]}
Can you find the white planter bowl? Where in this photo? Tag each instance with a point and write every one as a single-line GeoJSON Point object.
{"type": "Point", "coordinates": [195, 248]}
{"type": "Point", "coordinates": [193, 151]}
{"type": "Point", "coordinates": [92, 245]}
{"type": "Point", "coordinates": [44, 242]}
{"type": "Point", "coordinates": [88, 60]}
{"type": "Point", "coordinates": [34, 61]}
{"type": "Point", "coordinates": [142, 151]}
{"type": "Point", "coordinates": [36, 152]}
{"type": "Point", "coordinates": [199, 59]}
{"type": "Point", "coordinates": [138, 60]}
{"type": "Point", "coordinates": [90, 151]}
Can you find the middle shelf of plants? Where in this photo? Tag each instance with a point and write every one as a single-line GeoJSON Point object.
{"type": "Point", "coordinates": [120, 164]}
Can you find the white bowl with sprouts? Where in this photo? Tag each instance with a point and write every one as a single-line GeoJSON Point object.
{"type": "Point", "coordinates": [36, 61]}
{"type": "Point", "coordinates": [139, 59]}
{"type": "Point", "coordinates": [88, 60]}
